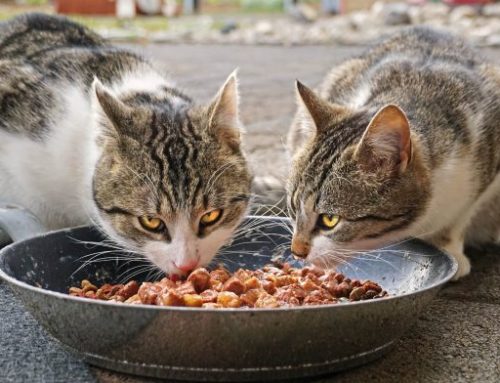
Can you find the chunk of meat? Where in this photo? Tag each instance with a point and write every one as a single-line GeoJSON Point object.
{"type": "Point", "coordinates": [234, 285]}
{"type": "Point", "coordinates": [228, 299]}
{"type": "Point", "coordinates": [200, 278]}
{"type": "Point", "coordinates": [192, 300]}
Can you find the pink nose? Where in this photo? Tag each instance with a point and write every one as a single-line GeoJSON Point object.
{"type": "Point", "coordinates": [187, 266]}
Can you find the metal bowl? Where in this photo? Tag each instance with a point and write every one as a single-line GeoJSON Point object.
{"type": "Point", "coordinates": [222, 344]}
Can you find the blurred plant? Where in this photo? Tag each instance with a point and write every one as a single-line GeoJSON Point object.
{"type": "Point", "coordinates": [223, 2]}
{"type": "Point", "coordinates": [32, 2]}
{"type": "Point", "coordinates": [262, 4]}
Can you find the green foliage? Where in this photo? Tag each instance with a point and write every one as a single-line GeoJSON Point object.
{"type": "Point", "coordinates": [262, 4]}
{"type": "Point", "coordinates": [223, 2]}
{"type": "Point", "coordinates": [36, 2]}
{"type": "Point", "coordinates": [151, 24]}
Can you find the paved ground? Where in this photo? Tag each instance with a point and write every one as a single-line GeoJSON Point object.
{"type": "Point", "coordinates": [456, 340]}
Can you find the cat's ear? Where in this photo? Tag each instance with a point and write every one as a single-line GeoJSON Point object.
{"type": "Point", "coordinates": [317, 114]}
{"type": "Point", "coordinates": [386, 142]}
{"type": "Point", "coordinates": [223, 112]}
{"type": "Point", "coordinates": [119, 114]}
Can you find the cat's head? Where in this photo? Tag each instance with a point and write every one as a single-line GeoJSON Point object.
{"type": "Point", "coordinates": [358, 182]}
{"type": "Point", "coordinates": [172, 182]}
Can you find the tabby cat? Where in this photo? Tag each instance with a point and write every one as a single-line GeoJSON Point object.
{"type": "Point", "coordinates": [89, 132]}
{"type": "Point", "coordinates": [402, 141]}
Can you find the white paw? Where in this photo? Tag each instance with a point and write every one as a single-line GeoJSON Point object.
{"type": "Point", "coordinates": [463, 266]}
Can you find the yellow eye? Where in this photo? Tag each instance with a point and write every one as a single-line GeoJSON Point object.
{"type": "Point", "coordinates": [328, 221]}
{"type": "Point", "coordinates": [151, 224]}
{"type": "Point", "coordinates": [211, 217]}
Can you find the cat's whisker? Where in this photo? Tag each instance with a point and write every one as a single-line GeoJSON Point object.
{"type": "Point", "coordinates": [132, 275]}
{"type": "Point", "coordinates": [98, 257]}
{"type": "Point", "coordinates": [132, 272]}
{"type": "Point", "coordinates": [91, 244]}
{"type": "Point", "coordinates": [261, 223]}
{"type": "Point", "coordinates": [154, 275]}
{"type": "Point", "coordinates": [331, 256]}
{"type": "Point", "coordinates": [374, 255]}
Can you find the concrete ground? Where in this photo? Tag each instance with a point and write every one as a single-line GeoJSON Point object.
{"type": "Point", "coordinates": [457, 339]}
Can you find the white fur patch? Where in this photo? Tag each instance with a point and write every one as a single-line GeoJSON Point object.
{"type": "Point", "coordinates": [360, 97]}
{"type": "Point", "coordinates": [140, 81]}
{"type": "Point", "coordinates": [145, 80]}
{"type": "Point", "coordinates": [52, 177]}
{"type": "Point", "coordinates": [453, 191]}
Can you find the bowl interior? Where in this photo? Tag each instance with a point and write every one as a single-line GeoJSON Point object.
{"type": "Point", "coordinates": [59, 260]}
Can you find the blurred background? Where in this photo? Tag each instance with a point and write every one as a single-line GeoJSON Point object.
{"type": "Point", "coordinates": [286, 22]}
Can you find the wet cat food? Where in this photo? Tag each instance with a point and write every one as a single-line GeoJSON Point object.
{"type": "Point", "coordinates": [269, 287]}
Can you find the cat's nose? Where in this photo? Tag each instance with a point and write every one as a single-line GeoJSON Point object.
{"type": "Point", "coordinates": [300, 248]}
{"type": "Point", "coordinates": [187, 266]}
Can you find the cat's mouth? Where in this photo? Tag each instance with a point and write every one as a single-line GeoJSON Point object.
{"type": "Point", "coordinates": [179, 268]}
{"type": "Point", "coordinates": [186, 266]}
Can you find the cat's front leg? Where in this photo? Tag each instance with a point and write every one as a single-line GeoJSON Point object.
{"type": "Point", "coordinates": [453, 244]}
{"type": "Point", "coordinates": [455, 249]}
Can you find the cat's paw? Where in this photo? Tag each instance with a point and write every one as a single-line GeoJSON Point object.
{"type": "Point", "coordinates": [455, 247]}
{"type": "Point", "coordinates": [463, 266]}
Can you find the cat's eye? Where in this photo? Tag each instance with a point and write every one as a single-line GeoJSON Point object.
{"type": "Point", "coordinates": [211, 217]}
{"type": "Point", "coordinates": [151, 223]}
{"type": "Point", "coordinates": [328, 221]}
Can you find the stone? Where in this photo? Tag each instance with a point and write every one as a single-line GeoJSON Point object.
{"type": "Point", "coordinates": [391, 13]}
{"type": "Point", "coordinates": [415, 14]}
{"type": "Point", "coordinates": [463, 12]}
{"type": "Point", "coordinates": [356, 28]}
{"type": "Point", "coordinates": [264, 27]}
{"type": "Point", "coordinates": [493, 40]}
{"type": "Point", "coordinates": [361, 20]}
{"type": "Point", "coordinates": [432, 11]}
{"type": "Point", "coordinates": [149, 7]}
{"type": "Point", "coordinates": [303, 13]}
{"type": "Point", "coordinates": [116, 34]}
{"type": "Point", "coordinates": [491, 10]}
{"type": "Point", "coordinates": [228, 27]}
{"type": "Point", "coordinates": [397, 14]}
{"type": "Point", "coordinates": [170, 8]}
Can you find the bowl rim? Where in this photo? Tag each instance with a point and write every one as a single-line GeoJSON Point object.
{"type": "Point", "coordinates": [57, 295]}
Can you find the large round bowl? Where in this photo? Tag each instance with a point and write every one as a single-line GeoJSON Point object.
{"type": "Point", "coordinates": [221, 344]}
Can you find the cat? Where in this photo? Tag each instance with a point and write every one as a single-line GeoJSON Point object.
{"type": "Point", "coordinates": [399, 142]}
{"type": "Point", "coordinates": [94, 133]}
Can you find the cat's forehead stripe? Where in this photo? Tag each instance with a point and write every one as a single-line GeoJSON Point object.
{"type": "Point", "coordinates": [156, 132]}
{"type": "Point", "coordinates": [175, 148]}
{"type": "Point", "coordinates": [321, 161]}
{"type": "Point", "coordinates": [178, 155]}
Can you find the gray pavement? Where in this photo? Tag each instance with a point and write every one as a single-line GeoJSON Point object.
{"type": "Point", "coordinates": [457, 339]}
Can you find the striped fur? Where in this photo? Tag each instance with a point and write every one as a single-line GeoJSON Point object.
{"type": "Point", "coordinates": [443, 187]}
{"type": "Point", "coordinates": [90, 132]}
